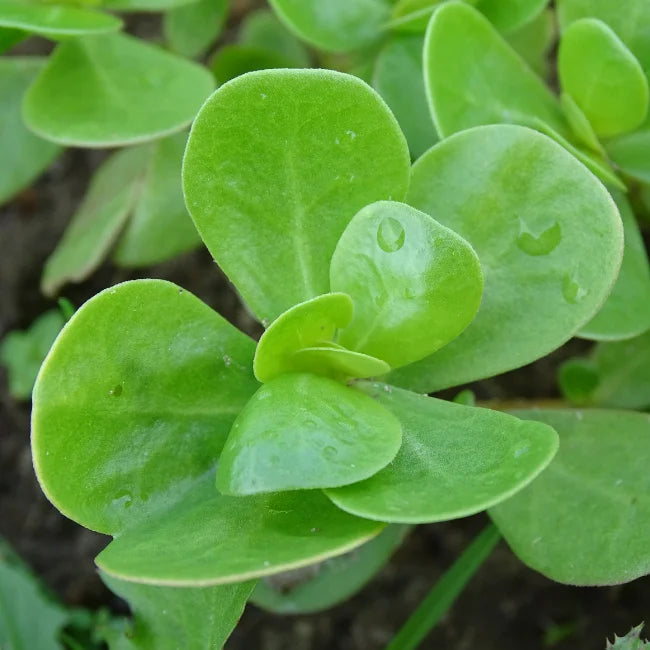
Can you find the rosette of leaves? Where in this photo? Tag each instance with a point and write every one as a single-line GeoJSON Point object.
{"type": "Point", "coordinates": [213, 461]}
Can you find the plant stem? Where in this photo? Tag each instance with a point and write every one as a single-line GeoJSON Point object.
{"type": "Point", "coordinates": [445, 591]}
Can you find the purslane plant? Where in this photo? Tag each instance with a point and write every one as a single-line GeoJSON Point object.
{"type": "Point", "coordinates": [299, 183]}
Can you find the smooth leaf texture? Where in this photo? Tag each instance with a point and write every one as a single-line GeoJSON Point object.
{"type": "Point", "coordinates": [580, 125]}
{"type": "Point", "coordinates": [302, 431]}
{"type": "Point", "coordinates": [631, 152]}
{"type": "Point", "coordinates": [127, 89]}
{"type": "Point", "coordinates": [22, 353]}
{"type": "Point", "coordinates": [191, 29]}
{"type": "Point", "coordinates": [97, 223]}
{"type": "Point", "coordinates": [603, 77]}
{"type": "Point", "coordinates": [335, 580]}
{"type": "Point", "coordinates": [10, 37]}
{"type": "Point", "coordinates": [455, 461]}
{"type": "Point", "coordinates": [548, 236]}
{"type": "Point", "coordinates": [509, 15]}
{"type": "Point", "coordinates": [134, 402]}
{"type": "Point", "coordinates": [24, 155]}
{"type": "Point", "coordinates": [277, 164]}
{"type": "Point", "coordinates": [143, 5]}
{"type": "Point", "coordinates": [208, 538]}
{"type": "Point", "coordinates": [398, 78]}
{"type": "Point", "coordinates": [336, 25]}
{"type": "Point", "coordinates": [584, 521]}
{"type": "Point", "coordinates": [235, 60]}
{"type": "Point", "coordinates": [627, 311]}
{"type": "Point", "coordinates": [411, 280]}
{"type": "Point", "coordinates": [168, 618]}
{"type": "Point", "coordinates": [534, 41]}
{"type": "Point", "coordinates": [55, 21]}
{"type": "Point", "coordinates": [338, 363]}
{"type": "Point", "coordinates": [304, 325]}
{"type": "Point", "coordinates": [159, 227]}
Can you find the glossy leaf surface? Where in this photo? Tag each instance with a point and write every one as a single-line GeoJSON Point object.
{"type": "Point", "coordinates": [97, 223]}
{"type": "Point", "coordinates": [127, 89]}
{"type": "Point", "coordinates": [24, 155]}
{"type": "Point", "coordinates": [335, 580]}
{"type": "Point", "coordinates": [627, 311]}
{"type": "Point", "coordinates": [302, 431]}
{"type": "Point", "coordinates": [584, 520]}
{"type": "Point", "coordinates": [524, 209]}
{"type": "Point", "coordinates": [22, 352]}
{"type": "Point", "coordinates": [168, 618]}
{"type": "Point", "coordinates": [579, 123]}
{"type": "Point", "coordinates": [55, 21]}
{"type": "Point", "coordinates": [336, 25]}
{"type": "Point", "coordinates": [603, 77]}
{"type": "Point", "coordinates": [134, 402]}
{"type": "Point", "coordinates": [454, 461]}
{"type": "Point", "coordinates": [304, 325]}
{"type": "Point", "coordinates": [208, 538]}
{"type": "Point", "coordinates": [338, 363]}
{"type": "Point", "coordinates": [411, 280]}
{"type": "Point", "coordinates": [510, 15]}
{"type": "Point", "coordinates": [191, 29]}
{"type": "Point", "coordinates": [398, 77]}
{"type": "Point", "coordinates": [277, 164]}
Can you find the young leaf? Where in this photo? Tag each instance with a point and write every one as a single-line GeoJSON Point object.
{"type": "Point", "coordinates": [253, 181]}
{"type": "Point", "coordinates": [534, 41]}
{"type": "Point", "coordinates": [97, 223]}
{"type": "Point", "coordinates": [159, 227]}
{"type": "Point", "coordinates": [398, 78]}
{"type": "Point", "coordinates": [603, 77]}
{"type": "Point", "coordinates": [454, 461]}
{"type": "Point", "coordinates": [548, 236]}
{"type": "Point", "coordinates": [585, 519]}
{"type": "Point", "coordinates": [411, 280]}
{"type": "Point", "coordinates": [338, 363]}
{"type": "Point", "coordinates": [631, 152]}
{"type": "Point", "coordinates": [303, 326]}
{"type": "Point", "coordinates": [22, 353]}
{"type": "Point", "coordinates": [335, 25]}
{"type": "Point", "coordinates": [143, 5]}
{"type": "Point", "coordinates": [55, 22]}
{"type": "Point", "coordinates": [127, 85]}
{"type": "Point", "coordinates": [24, 155]}
{"type": "Point", "coordinates": [191, 29]}
{"type": "Point", "coordinates": [169, 618]}
{"type": "Point", "coordinates": [579, 123]}
{"type": "Point", "coordinates": [208, 539]}
{"type": "Point", "coordinates": [335, 581]}
{"type": "Point", "coordinates": [626, 313]}
{"type": "Point", "coordinates": [135, 401]}
{"type": "Point", "coordinates": [302, 431]}
{"type": "Point", "coordinates": [510, 15]}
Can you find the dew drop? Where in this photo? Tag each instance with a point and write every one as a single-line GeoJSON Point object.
{"type": "Point", "coordinates": [352, 134]}
{"type": "Point", "coordinates": [265, 322]}
{"type": "Point", "coordinates": [573, 293]}
{"type": "Point", "coordinates": [263, 95]}
{"type": "Point", "coordinates": [330, 453]}
{"type": "Point", "coordinates": [542, 244]}
{"type": "Point", "coordinates": [115, 392]}
{"type": "Point", "coordinates": [390, 235]}
{"type": "Point", "coordinates": [227, 360]}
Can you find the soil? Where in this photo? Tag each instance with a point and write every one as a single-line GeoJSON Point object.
{"type": "Point", "coordinates": [505, 607]}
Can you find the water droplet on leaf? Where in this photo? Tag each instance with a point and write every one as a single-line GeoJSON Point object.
{"type": "Point", "coordinates": [573, 293]}
{"type": "Point", "coordinates": [330, 453]}
{"type": "Point", "coordinates": [541, 244]}
{"type": "Point", "coordinates": [227, 360]}
{"type": "Point", "coordinates": [390, 235]}
{"type": "Point", "coordinates": [116, 391]}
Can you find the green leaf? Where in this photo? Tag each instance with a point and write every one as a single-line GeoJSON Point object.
{"type": "Point", "coordinates": [534, 41]}
{"type": "Point", "coordinates": [253, 181]}
{"type": "Point", "coordinates": [631, 641]}
{"type": "Point", "coordinates": [305, 325]}
{"type": "Point", "coordinates": [29, 618]}
{"type": "Point", "coordinates": [454, 461]}
{"type": "Point", "coordinates": [579, 123]}
{"type": "Point", "coordinates": [302, 431]}
{"type": "Point", "coordinates": [335, 25]}
{"type": "Point", "coordinates": [143, 5]}
{"type": "Point", "coordinates": [398, 78]}
{"type": "Point", "coordinates": [208, 538]}
{"type": "Point", "coordinates": [510, 15]}
{"type": "Point", "coordinates": [631, 152]}
{"type": "Point", "coordinates": [627, 311]}
{"type": "Point", "coordinates": [55, 21]}
{"type": "Point", "coordinates": [578, 378]}
{"type": "Point", "coordinates": [24, 155]}
{"type": "Point", "coordinates": [134, 402]}
{"type": "Point", "coordinates": [169, 618]}
{"type": "Point", "coordinates": [11, 37]}
{"type": "Point", "coordinates": [334, 581]}
{"type": "Point", "coordinates": [584, 520]}
{"type": "Point", "coordinates": [603, 77]}
{"type": "Point", "coordinates": [262, 30]}
{"type": "Point", "coordinates": [523, 207]}
{"type": "Point", "coordinates": [339, 363]}
{"type": "Point", "coordinates": [632, 25]}
{"type": "Point", "coordinates": [22, 353]}
{"type": "Point", "coordinates": [235, 60]}
{"type": "Point", "coordinates": [159, 227]}
{"type": "Point", "coordinates": [97, 223]}
{"type": "Point", "coordinates": [191, 29]}
{"type": "Point", "coordinates": [411, 280]}
{"type": "Point", "coordinates": [128, 86]}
